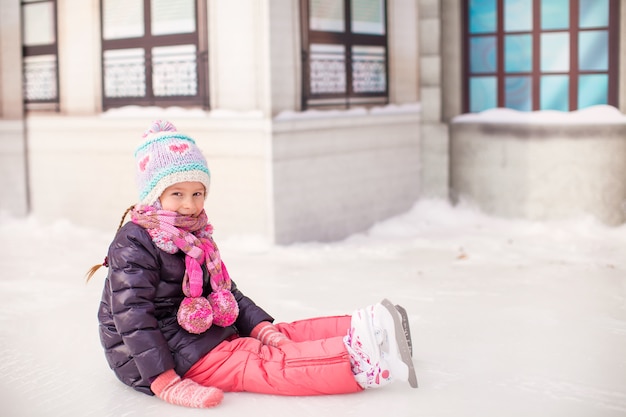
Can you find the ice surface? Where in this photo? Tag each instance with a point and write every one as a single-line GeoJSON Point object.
{"type": "Point", "coordinates": [509, 318]}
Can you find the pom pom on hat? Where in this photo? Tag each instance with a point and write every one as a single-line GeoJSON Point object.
{"type": "Point", "coordinates": [167, 157]}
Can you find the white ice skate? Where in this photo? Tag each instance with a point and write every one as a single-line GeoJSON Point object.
{"type": "Point", "coordinates": [362, 343]}
{"type": "Point", "coordinates": [379, 348]}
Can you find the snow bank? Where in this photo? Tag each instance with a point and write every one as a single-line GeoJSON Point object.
{"type": "Point", "coordinates": [602, 114]}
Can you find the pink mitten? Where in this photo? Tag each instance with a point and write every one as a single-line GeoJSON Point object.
{"type": "Point", "coordinates": [269, 335]}
{"type": "Point", "coordinates": [171, 388]}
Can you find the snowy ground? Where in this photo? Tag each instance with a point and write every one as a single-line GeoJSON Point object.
{"type": "Point", "coordinates": [509, 318]}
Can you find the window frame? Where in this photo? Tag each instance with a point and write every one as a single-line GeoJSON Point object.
{"type": "Point", "coordinates": [39, 50]}
{"type": "Point", "coordinates": [148, 41]}
{"type": "Point", "coordinates": [347, 39]}
{"type": "Point", "coordinates": [535, 74]}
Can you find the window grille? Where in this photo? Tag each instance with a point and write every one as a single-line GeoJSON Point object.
{"type": "Point", "coordinates": [154, 52]}
{"type": "Point", "coordinates": [344, 52]}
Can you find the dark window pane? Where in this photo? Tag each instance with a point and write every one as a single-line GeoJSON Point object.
{"type": "Point", "coordinates": [554, 92]}
{"type": "Point", "coordinates": [326, 15]}
{"type": "Point", "coordinates": [327, 69]}
{"type": "Point", "coordinates": [40, 78]}
{"type": "Point", "coordinates": [518, 15]}
{"type": "Point", "coordinates": [38, 26]}
{"type": "Point", "coordinates": [482, 16]}
{"type": "Point", "coordinates": [594, 13]}
{"type": "Point", "coordinates": [124, 73]}
{"type": "Point", "coordinates": [518, 93]}
{"type": "Point", "coordinates": [122, 19]}
{"type": "Point", "coordinates": [172, 16]}
{"type": "Point", "coordinates": [592, 90]}
{"type": "Point", "coordinates": [483, 93]}
{"type": "Point", "coordinates": [368, 16]}
{"type": "Point", "coordinates": [518, 54]}
{"type": "Point", "coordinates": [174, 71]}
{"type": "Point", "coordinates": [368, 69]}
{"type": "Point", "coordinates": [483, 54]}
{"type": "Point", "coordinates": [554, 14]}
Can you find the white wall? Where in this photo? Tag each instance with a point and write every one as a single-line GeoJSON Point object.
{"type": "Point", "coordinates": [287, 180]}
{"type": "Point", "coordinates": [13, 168]}
{"type": "Point", "coordinates": [83, 169]}
{"type": "Point", "coordinates": [541, 172]}
{"type": "Point", "coordinates": [283, 179]}
{"type": "Point", "coordinates": [337, 176]}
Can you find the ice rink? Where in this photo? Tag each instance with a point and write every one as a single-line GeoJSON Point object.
{"type": "Point", "coordinates": [509, 318]}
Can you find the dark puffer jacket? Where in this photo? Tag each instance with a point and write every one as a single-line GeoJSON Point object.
{"type": "Point", "coordinates": [137, 315]}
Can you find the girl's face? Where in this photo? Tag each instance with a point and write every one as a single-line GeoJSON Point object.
{"type": "Point", "coordinates": [185, 198]}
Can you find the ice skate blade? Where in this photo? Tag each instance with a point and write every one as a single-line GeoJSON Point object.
{"type": "Point", "coordinates": [405, 326]}
{"type": "Point", "coordinates": [403, 346]}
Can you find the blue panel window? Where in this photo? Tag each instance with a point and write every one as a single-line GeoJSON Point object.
{"type": "Point", "coordinates": [518, 55]}
{"type": "Point", "coordinates": [518, 15]}
{"type": "Point", "coordinates": [518, 93]}
{"type": "Point", "coordinates": [483, 92]}
{"type": "Point", "coordinates": [484, 54]}
{"type": "Point", "coordinates": [593, 50]}
{"type": "Point", "coordinates": [592, 90]}
{"type": "Point", "coordinates": [554, 14]}
{"type": "Point", "coordinates": [594, 13]}
{"type": "Point", "coordinates": [554, 92]}
{"type": "Point", "coordinates": [482, 16]}
{"type": "Point", "coordinates": [541, 54]}
{"type": "Point", "coordinates": [555, 52]}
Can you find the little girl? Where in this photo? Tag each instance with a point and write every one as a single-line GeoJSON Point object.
{"type": "Point", "coordinates": [174, 325]}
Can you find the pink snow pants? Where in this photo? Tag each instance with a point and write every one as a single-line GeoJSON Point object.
{"type": "Point", "coordinates": [316, 364]}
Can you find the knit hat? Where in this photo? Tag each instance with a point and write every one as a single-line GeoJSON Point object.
{"type": "Point", "coordinates": [167, 157]}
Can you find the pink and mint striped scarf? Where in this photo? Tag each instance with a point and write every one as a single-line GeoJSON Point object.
{"type": "Point", "coordinates": [172, 232]}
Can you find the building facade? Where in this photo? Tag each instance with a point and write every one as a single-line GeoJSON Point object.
{"type": "Point", "coordinates": [561, 56]}
{"type": "Point", "coordinates": [318, 118]}
{"type": "Point", "coordinates": [277, 171]}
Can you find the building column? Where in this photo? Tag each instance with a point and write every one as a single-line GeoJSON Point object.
{"type": "Point", "coordinates": [80, 70]}
{"type": "Point", "coordinates": [13, 158]}
{"type": "Point", "coordinates": [433, 132]}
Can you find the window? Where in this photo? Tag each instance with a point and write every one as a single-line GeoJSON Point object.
{"type": "Point", "coordinates": [344, 52]}
{"type": "Point", "coordinates": [39, 52]}
{"type": "Point", "coordinates": [540, 54]}
{"type": "Point", "coordinates": [154, 52]}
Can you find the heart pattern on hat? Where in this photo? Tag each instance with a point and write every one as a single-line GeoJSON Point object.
{"type": "Point", "coordinates": [144, 162]}
{"type": "Point", "coordinates": [181, 149]}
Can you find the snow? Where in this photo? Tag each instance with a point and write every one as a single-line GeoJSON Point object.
{"type": "Point", "coordinates": [600, 114]}
{"type": "Point", "coordinates": [172, 113]}
{"type": "Point", "coordinates": [175, 112]}
{"type": "Point", "coordinates": [356, 111]}
{"type": "Point", "coordinates": [509, 317]}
